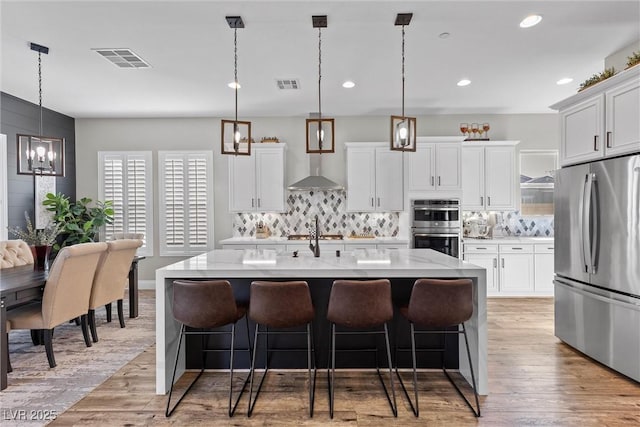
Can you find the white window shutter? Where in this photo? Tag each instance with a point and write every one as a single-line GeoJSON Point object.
{"type": "Point", "coordinates": [186, 214]}
{"type": "Point", "coordinates": [125, 179]}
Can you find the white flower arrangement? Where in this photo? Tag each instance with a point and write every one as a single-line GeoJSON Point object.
{"type": "Point", "coordinates": [44, 237]}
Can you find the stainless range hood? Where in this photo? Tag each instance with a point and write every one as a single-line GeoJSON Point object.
{"type": "Point", "coordinates": [315, 182]}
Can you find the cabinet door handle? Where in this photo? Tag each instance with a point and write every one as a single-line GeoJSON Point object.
{"type": "Point", "coordinates": [481, 248]}
{"type": "Point", "coordinates": [488, 200]}
{"type": "Point", "coordinates": [495, 263]}
{"type": "Point", "coordinates": [595, 142]}
{"type": "Point", "coordinates": [253, 205]}
{"type": "Point", "coordinates": [258, 201]}
{"type": "Point", "coordinates": [432, 181]}
{"type": "Point", "coordinates": [372, 202]}
{"type": "Point", "coordinates": [481, 200]}
{"type": "Point", "coordinates": [516, 249]}
{"type": "Point", "coordinates": [609, 139]}
{"type": "Point", "coordinates": [378, 201]}
{"type": "Point", "coordinates": [502, 260]}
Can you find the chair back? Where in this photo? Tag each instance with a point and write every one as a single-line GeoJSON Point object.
{"type": "Point", "coordinates": [120, 236]}
{"type": "Point", "coordinates": [440, 303]}
{"type": "Point", "coordinates": [112, 272]}
{"type": "Point", "coordinates": [281, 304]}
{"type": "Point", "coordinates": [360, 303]}
{"type": "Point", "coordinates": [204, 304]}
{"type": "Point", "coordinates": [14, 253]}
{"type": "Point", "coordinates": [68, 288]}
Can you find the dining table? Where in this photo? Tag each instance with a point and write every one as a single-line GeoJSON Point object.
{"type": "Point", "coordinates": [18, 285]}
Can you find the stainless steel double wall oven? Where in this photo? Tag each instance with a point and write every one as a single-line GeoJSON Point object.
{"type": "Point", "coordinates": [436, 224]}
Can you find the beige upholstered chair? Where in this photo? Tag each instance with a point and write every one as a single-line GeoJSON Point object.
{"type": "Point", "coordinates": [110, 279]}
{"type": "Point", "coordinates": [120, 236]}
{"type": "Point", "coordinates": [14, 253]}
{"type": "Point", "coordinates": [66, 294]}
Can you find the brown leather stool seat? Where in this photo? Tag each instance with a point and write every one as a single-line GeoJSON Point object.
{"type": "Point", "coordinates": [207, 305]}
{"type": "Point", "coordinates": [360, 304]}
{"type": "Point", "coordinates": [439, 304]}
{"type": "Point", "coordinates": [281, 305]}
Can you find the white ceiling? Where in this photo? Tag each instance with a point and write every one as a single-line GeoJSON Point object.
{"type": "Point", "coordinates": [190, 48]}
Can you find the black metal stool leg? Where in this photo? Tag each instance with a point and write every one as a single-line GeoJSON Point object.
{"type": "Point", "coordinates": [168, 411]}
{"type": "Point", "coordinates": [332, 369]}
{"type": "Point", "coordinates": [394, 407]}
{"type": "Point", "coordinates": [414, 408]}
{"type": "Point", "coordinates": [252, 403]}
{"type": "Point", "coordinates": [312, 381]}
{"type": "Point", "coordinates": [475, 411]}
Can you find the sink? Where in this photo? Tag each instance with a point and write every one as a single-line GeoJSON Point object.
{"type": "Point", "coordinates": [322, 237]}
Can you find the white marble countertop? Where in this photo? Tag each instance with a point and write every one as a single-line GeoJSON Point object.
{"type": "Point", "coordinates": [403, 263]}
{"type": "Point", "coordinates": [509, 240]}
{"type": "Point", "coordinates": [283, 240]}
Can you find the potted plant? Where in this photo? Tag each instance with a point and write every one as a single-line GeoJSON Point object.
{"type": "Point", "coordinates": [79, 221]}
{"type": "Point", "coordinates": [40, 241]}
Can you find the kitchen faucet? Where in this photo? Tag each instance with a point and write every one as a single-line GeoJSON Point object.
{"type": "Point", "coordinates": [315, 248]}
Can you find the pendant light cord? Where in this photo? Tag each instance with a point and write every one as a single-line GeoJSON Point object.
{"type": "Point", "coordinates": [403, 72]}
{"type": "Point", "coordinates": [40, 88]}
{"type": "Point", "coordinates": [235, 67]}
{"type": "Point", "coordinates": [319, 71]}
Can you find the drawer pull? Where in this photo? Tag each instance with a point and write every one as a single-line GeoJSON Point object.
{"type": "Point", "coordinates": [516, 249]}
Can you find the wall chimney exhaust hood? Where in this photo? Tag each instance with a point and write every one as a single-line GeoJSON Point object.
{"type": "Point", "coordinates": [315, 182]}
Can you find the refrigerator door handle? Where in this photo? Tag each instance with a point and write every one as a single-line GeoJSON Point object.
{"type": "Point", "coordinates": [594, 239]}
{"type": "Point", "coordinates": [584, 224]}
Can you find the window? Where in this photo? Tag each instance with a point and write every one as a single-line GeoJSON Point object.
{"type": "Point", "coordinates": [125, 179]}
{"type": "Point", "coordinates": [186, 211]}
{"type": "Point", "coordinates": [537, 176]}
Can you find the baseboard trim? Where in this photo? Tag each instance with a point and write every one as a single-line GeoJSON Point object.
{"type": "Point", "coordinates": [147, 284]}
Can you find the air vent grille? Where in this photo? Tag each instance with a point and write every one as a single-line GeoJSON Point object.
{"type": "Point", "coordinates": [123, 58]}
{"type": "Point", "coordinates": [288, 84]}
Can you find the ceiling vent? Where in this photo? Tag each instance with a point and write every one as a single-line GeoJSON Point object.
{"type": "Point", "coordinates": [288, 84]}
{"type": "Point", "coordinates": [123, 58]}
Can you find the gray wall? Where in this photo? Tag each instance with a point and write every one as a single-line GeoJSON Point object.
{"type": "Point", "coordinates": [20, 116]}
{"type": "Point", "coordinates": [535, 131]}
{"type": "Point", "coordinates": [618, 59]}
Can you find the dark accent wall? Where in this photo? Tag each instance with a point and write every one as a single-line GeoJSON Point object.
{"type": "Point", "coordinates": [20, 116]}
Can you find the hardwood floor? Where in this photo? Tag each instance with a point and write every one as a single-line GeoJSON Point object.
{"type": "Point", "coordinates": [534, 379]}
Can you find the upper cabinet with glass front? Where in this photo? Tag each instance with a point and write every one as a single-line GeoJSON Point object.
{"type": "Point", "coordinates": [602, 120]}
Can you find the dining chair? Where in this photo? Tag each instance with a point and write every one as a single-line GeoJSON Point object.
{"type": "Point", "coordinates": [14, 253]}
{"type": "Point", "coordinates": [110, 280]}
{"type": "Point", "coordinates": [66, 294]}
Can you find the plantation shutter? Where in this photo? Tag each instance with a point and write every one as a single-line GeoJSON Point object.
{"type": "Point", "coordinates": [186, 214]}
{"type": "Point", "coordinates": [125, 179]}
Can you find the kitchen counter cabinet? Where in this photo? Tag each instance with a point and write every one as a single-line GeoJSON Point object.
{"type": "Point", "coordinates": [405, 266]}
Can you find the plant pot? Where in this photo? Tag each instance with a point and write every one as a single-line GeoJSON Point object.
{"type": "Point", "coordinates": [41, 257]}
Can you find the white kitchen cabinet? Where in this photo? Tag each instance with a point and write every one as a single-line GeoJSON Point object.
{"type": "Point", "coordinates": [543, 261]}
{"type": "Point", "coordinates": [516, 273]}
{"type": "Point", "coordinates": [374, 178]}
{"type": "Point", "coordinates": [391, 246]}
{"type": "Point", "coordinates": [239, 246]}
{"type": "Point", "coordinates": [489, 176]}
{"type": "Point", "coordinates": [523, 269]}
{"type": "Point", "coordinates": [256, 182]}
{"type": "Point", "coordinates": [601, 121]}
{"type": "Point", "coordinates": [435, 166]}
{"type": "Point", "coordinates": [489, 261]}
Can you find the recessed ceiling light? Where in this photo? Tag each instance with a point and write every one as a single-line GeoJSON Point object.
{"type": "Point", "coordinates": [464, 82]}
{"type": "Point", "coordinates": [564, 81]}
{"type": "Point", "coordinates": [234, 85]}
{"type": "Point", "coordinates": [348, 84]}
{"type": "Point", "coordinates": [530, 21]}
{"type": "Point", "coordinates": [444, 35]}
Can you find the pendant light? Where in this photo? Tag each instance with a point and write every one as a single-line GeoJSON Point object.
{"type": "Point", "coordinates": [320, 130]}
{"type": "Point", "coordinates": [403, 128]}
{"type": "Point", "coordinates": [235, 135]}
{"type": "Point", "coordinates": [38, 154]}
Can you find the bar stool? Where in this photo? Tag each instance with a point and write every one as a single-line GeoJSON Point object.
{"type": "Point", "coordinates": [281, 305]}
{"type": "Point", "coordinates": [206, 305]}
{"type": "Point", "coordinates": [360, 304]}
{"type": "Point", "coordinates": [439, 304]}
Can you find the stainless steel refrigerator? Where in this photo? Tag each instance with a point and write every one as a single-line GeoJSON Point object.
{"type": "Point", "coordinates": [597, 261]}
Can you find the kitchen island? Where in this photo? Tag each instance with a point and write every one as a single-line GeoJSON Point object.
{"type": "Point", "coordinates": [402, 267]}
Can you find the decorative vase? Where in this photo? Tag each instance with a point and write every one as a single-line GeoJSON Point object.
{"type": "Point", "coordinates": [41, 256]}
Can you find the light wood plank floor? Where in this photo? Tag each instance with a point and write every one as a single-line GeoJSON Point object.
{"type": "Point", "coordinates": [534, 379]}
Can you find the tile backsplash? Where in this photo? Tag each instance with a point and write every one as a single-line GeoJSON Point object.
{"type": "Point", "coordinates": [330, 206]}
{"type": "Point", "coordinates": [518, 225]}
